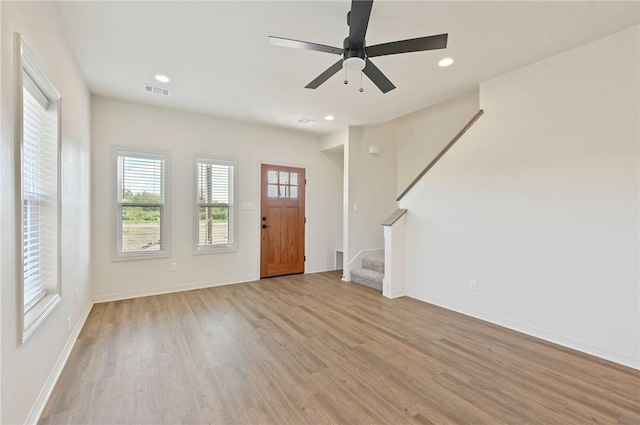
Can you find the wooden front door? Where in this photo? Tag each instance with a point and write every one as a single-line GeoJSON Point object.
{"type": "Point", "coordinates": [282, 220]}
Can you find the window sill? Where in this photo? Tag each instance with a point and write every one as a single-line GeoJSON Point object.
{"type": "Point", "coordinates": [214, 250]}
{"type": "Point", "coordinates": [36, 314]}
{"type": "Point", "coordinates": [137, 256]}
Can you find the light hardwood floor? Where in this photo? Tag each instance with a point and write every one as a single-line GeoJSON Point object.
{"type": "Point", "coordinates": [310, 349]}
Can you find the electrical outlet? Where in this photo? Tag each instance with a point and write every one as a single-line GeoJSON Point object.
{"type": "Point", "coordinates": [174, 267]}
{"type": "Point", "coordinates": [69, 324]}
{"type": "Point", "coordinates": [473, 285]}
{"type": "Point", "coordinates": [77, 294]}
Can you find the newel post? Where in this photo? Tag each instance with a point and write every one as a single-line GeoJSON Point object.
{"type": "Point", "coordinates": [394, 255]}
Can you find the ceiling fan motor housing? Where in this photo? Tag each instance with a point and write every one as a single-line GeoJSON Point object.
{"type": "Point", "coordinates": [354, 54]}
{"type": "Point", "coordinates": [347, 46]}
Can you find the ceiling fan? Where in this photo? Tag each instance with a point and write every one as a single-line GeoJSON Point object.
{"type": "Point", "coordinates": [356, 54]}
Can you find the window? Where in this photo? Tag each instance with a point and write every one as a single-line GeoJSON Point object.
{"type": "Point", "coordinates": [141, 212]}
{"type": "Point", "coordinates": [39, 215]}
{"type": "Point", "coordinates": [282, 184]}
{"type": "Point", "coordinates": [215, 208]}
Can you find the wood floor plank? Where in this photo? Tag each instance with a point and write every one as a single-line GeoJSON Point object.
{"type": "Point", "coordinates": [311, 349]}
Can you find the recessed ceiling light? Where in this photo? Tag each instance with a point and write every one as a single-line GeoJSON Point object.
{"type": "Point", "coordinates": [162, 78]}
{"type": "Point", "coordinates": [329, 118]}
{"type": "Point", "coordinates": [445, 62]}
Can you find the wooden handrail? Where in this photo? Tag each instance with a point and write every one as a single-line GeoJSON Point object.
{"type": "Point", "coordinates": [395, 216]}
{"type": "Point", "coordinates": [441, 154]}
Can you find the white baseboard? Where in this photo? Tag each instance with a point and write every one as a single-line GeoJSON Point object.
{"type": "Point", "coordinates": [50, 383]}
{"type": "Point", "coordinates": [331, 269]}
{"type": "Point", "coordinates": [179, 288]}
{"type": "Point", "coordinates": [169, 289]}
{"type": "Point", "coordinates": [396, 295]}
{"type": "Point", "coordinates": [574, 344]}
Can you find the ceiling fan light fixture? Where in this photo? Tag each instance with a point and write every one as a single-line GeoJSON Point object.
{"type": "Point", "coordinates": [353, 64]}
{"type": "Point", "coordinates": [445, 62]}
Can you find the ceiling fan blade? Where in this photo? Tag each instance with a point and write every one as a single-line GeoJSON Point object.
{"type": "Point", "coordinates": [296, 44]}
{"type": "Point", "coordinates": [432, 42]}
{"type": "Point", "coordinates": [325, 75]}
{"type": "Point", "coordinates": [378, 78]}
{"type": "Point", "coordinates": [358, 22]}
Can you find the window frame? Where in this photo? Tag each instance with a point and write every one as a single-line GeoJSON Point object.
{"type": "Point", "coordinates": [233, 208]}
{"type": "Point", "coordinates": [30, 319]}
{"type": "Point", "coordinates": [118, 255]}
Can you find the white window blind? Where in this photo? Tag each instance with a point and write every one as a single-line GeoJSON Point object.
{"type": "Point", "coordinates": [141, 203]}
{"type": "Point", "coordinates": [39, 167]}
{"type": "Point", "coordinates": [35, 91]}
{"type": "Point", "coordinates": [215, 204]}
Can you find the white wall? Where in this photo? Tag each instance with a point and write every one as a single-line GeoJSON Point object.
{"type": "Point", "coordinates": [334, 142]}
{"type": "Point", "coordinates": [373, 182]}
{"type": "Point", "coordinates": [421, 135]}
{"type": "Point", "coordinates": [539, 203]}
{"type": "Point", "coordinates": [334, 207]}
{"type": "Point", "coordinates": [371, 186]}
{"type": "Point", "coordinates": [2, 61]}
{"type": "Point", "coordinates": [182, 135]}
{"type": "Point", "coordinates": [29, 370]}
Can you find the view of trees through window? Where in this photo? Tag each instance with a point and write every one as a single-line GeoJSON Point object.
{"type": "Point", "coordinates": [141, 214]}
{"type": "Point", "coordinates": [140, 228]}
{"type": "Point", "coordinates": [141, 202]}
{"type": "Point", "coordinates": [215, 182]}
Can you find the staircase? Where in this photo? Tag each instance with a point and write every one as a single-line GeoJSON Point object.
{"type": "Point", "coordinates": [371, 273]}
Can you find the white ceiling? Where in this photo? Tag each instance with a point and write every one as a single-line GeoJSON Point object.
{"type": "Point", "coordinates": [220, 64]}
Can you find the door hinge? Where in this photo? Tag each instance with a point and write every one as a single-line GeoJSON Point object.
{"type": "Point", "coordinates": [305, 181]}
{"type": "Point", "coordinates": [305, 219]}
{"type": "Point", "coordinates": [305, 258]}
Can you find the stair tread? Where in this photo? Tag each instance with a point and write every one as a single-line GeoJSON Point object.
{"type": "Point", "coordinates": [371, 274]}
{"type": "Point", "coordinates": [370, 278]}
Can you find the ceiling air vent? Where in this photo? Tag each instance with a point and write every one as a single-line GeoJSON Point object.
{"type": "Point", "coordinates": [148, 88]}
{"type": "Point", "coordinates": [306, 121]}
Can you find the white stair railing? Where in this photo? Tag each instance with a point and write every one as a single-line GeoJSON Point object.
{"type": "Point", "coordinates": [346, 270]}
